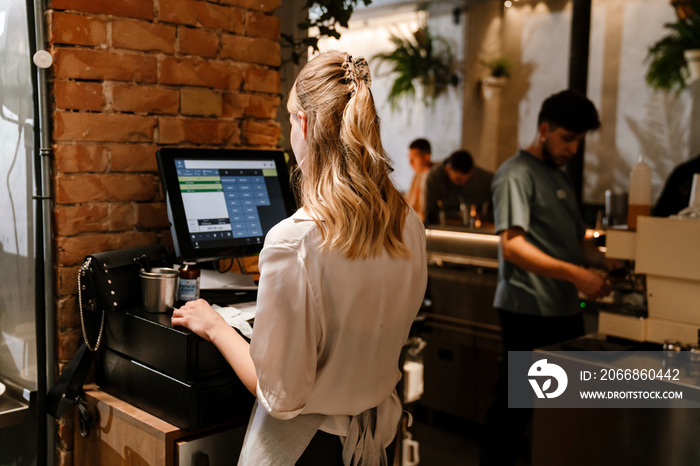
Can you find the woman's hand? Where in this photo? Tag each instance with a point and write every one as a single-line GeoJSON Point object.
{"type": "Point", "coordinates": [199, 317]}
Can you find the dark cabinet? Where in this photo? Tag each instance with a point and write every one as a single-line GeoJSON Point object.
{"type": "Point", "coordinates": [463, 340]}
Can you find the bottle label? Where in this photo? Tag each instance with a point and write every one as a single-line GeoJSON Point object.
{"type": "Point", "coordinates": [189, 289]}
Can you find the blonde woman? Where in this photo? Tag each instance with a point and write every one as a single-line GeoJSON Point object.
{"type": "Point", "coordinates": [340, 284]}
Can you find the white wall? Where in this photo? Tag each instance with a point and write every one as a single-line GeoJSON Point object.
{"type": "Point", "coordinates": [545, 43]}
{"type": "Point", "coordinates": [536, 37]}
{"type": "Point", "coordinates": [636, 120]}
{"type": "Point", "coordinates": [440, 124]}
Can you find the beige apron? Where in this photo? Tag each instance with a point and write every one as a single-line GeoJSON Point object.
{"type": "Point", "coordinates": [275, 442]}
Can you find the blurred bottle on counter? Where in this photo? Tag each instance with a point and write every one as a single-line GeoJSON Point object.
{"type": "Point", "coordinates": [463, 212]}
{"type": "Point", "coordinates": [188, 287]}
{"type": "Point", "coordinates": [615, 208]}
{"type": "Point", "coordinates": [639, 200]}
{"type": "Point", "coordinates": [473, 217]}
{"type": "Point", "coordinates": [442, 219]}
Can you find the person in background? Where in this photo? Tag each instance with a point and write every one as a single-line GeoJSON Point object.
{"type": "Point", "coordinates": [419, 154]}
{"type": "Point", "coordinates": [541, 253]}
{"type": "Point", "coordinates": [676, 193]}
{"type": "Point", "coordinates": [456, 182]}
{"type": "Point", "coordinates": [341, 282]}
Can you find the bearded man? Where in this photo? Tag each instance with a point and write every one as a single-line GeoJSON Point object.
{"type": "Point", "coordinates": [541, 255]}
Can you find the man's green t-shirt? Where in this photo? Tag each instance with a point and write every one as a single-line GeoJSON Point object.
{"type": "Point", "coordinates": [529, 194]}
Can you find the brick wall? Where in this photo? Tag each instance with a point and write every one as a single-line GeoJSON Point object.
{"type": "Point", "coordinates": [130, 76]}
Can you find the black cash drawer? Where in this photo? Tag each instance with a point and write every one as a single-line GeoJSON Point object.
{"type": "Point", "coordinates": [150, 339]}
{"type": "Point", "coordinates": [187, 405]}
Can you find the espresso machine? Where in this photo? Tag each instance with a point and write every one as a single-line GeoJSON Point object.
{"type": "Point", "coordinates": [664, 258]}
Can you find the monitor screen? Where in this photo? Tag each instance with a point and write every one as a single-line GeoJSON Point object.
{"type": "Point", "coordinates": [222, 202]}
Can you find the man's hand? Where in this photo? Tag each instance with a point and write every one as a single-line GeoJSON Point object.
{"type": "Point", "coordinates": [591, 284]}
{"type": "Point", "coordinates": [517, 250]}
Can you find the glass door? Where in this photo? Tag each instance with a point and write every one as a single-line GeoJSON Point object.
{"type": "Point", "coordinates": [18, 358]}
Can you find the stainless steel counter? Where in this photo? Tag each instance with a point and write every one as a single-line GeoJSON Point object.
{"type": "Point", "coordinates": [620, 436]}
{"type": "Point", "coordinates": [461, 326]}
{"type": "Point", "coordinates": [462, 246]}
{"type": "Point", "coordinates": [13, 407]}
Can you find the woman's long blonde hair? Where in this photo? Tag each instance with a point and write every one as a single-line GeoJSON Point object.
{"type": "Point", "coordinates": [345, 184]}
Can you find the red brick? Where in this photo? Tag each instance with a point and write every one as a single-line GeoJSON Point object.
{"type": "Point", "coordinates": [73, 189]}
{"type": "Point", "coordinates": [66, 432]}
{"type": "Point", "coordinates": [104, 65]}
{"type": "Point", "coordinates": [141, 35]}
{"type": "Point", "coordinates": [262, 106]}
{"type": "Point", "coordinates": [78, 29]}
{"type": "Point", "coordinates": [133, 158]}
{"type": "Point", "coordinates": [261, 5]}
{"type": "Point", "coordinates": [73, 249]}
{"type": "Point", "coordinates": [251, 50]}
{"type": "Point", "coordinates": [67, 280]}
{"type": "Point", "coordinates": [258, 24]}
{"type": "Point", "coordinates": [121, 216]}
{"type": "Point", "coordinates": [71, 220]}
{"type": "Point", "coordinates": [177, 11]}
{"type": "Point", "coordinates": [80, 158]}
{"type": "Point", "coordinates": [152, 215]}
{"type": "Point", "coordinates": [198, 131]}
{"type": "Point", "coordinates": [129, 8]}
{"type": "Point", "coordinates": [68, 342]}
{"type": "Point", "coordinates": [198, 72]}
{"type": "Point", "coordinates": [199, 13]}
{"type": "Point", "coordinates": [200, 102]}
{"type": "Point", "coordinates": [262, 80]}
{"type": "Point", "coordinates": [254, 105]}
{"type": "Point", "coordinates": [63, 457]}
{"type": "Point", "coordinates": [165, 238]}
{"type": "Point", "coordinates": [144, 99]}
{"type": "Point", "coordinates": [103, 127]}
{"type": "Point", "coordinates": [76, 95]}
{"type": "Point", "coordinates": [262, 133]}
{"type": "Point", "coordinates": [67, 316]}
{"type": "Point", "coordinates": [234, 104]}
{"type": "Point", "coordinates": [213, 16]}
{"type": "Point", "coordinates": [198, 42]}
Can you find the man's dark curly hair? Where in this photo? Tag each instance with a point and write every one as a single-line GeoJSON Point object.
{"type": "Point", "coordinates": [569, 110]}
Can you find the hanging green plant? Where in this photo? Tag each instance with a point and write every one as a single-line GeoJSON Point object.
{"type": "Point", "coordinates": [423, 60]}
{"type": "Point", "coordinates": [668, 65]}
{"type": "Point", "coordinates": [323, 20]}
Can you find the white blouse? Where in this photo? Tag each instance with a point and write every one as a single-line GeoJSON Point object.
{"type": "Point", "coordinates": [328, 330]}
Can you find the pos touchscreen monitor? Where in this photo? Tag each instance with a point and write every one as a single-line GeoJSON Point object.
{"type": "Point", "coordinates": [222, 202]}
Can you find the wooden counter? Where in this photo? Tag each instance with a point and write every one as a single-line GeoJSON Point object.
{"type": "Point", "coordinates": [126, 435]}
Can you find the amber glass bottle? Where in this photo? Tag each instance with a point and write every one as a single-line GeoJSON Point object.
{"type": "Point", "coordinates": [188, 288]}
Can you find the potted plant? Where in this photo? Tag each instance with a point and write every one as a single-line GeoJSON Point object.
{"type": "Point", "coordinates": [675, 59]}
{"type": "Point", "coordinates": [421, 59]}
{"type": "Point", "coordinates": [499, 72]}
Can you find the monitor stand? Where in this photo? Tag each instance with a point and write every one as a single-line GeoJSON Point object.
{"type": "Point", "coordinates": [227, 288]}
{"type": "Point", "coordinates": [224, 297]}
